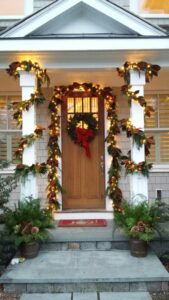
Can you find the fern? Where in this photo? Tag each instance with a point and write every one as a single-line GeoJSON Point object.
{"type": "Point", "coordinates": [141, 220]}
{"type": "Point", "coordinates": [28, 212]}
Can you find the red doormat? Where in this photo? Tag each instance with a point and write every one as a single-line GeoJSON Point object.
{"type": "Point", "coordinates": [82, 223]}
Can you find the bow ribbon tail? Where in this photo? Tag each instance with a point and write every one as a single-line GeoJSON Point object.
{"type": "Point", "coordinates": [87, 149]}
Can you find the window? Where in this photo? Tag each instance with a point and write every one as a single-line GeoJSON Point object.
{"type": "Point", "coordinates": [9, 133]}
{"type": "Point", "coordinates": [82, 105]}
{"type": "Point", "coordinates": [158, 126]}
{"type": "Point", "coordinates": [15, 9]}
{"type": "Point", "coordinates": [154, 7]}
{"type": "Point", "coordinates": [9, 7]}
{"type": "Point", "coordinates": [150, 7]}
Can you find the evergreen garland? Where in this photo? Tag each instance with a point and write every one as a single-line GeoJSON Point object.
{"type": "Point", "coordinates": [133, 95]}
{"type": "Point", "coordinates": [149, 69]}
{"type": "Point", "coordinates": [138, 135]}
{"type": "Point", "coordinates": [22, 171]}
{"type": "Point", "coordinates": [133, 168]}
{"type": "Point", "coordinates": [54, 152]}
{"type": "Point", "coordinates": [37, 97]}
{"type": "Point", "coordinates": [28, 140]}
{"type": "Point", "coordinates": [113, 190]}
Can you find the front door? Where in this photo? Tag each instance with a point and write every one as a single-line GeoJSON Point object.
{"type": "Point", "coordinates": [83, 177]}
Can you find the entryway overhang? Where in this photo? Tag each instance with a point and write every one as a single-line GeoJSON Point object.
{"type": "Point", "coordinates": [85, 52]}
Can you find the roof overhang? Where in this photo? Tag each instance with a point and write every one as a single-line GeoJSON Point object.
{"type": "Point", "coordinates": [85, 53]}
{"type": "Point", "coordinates": [83, 44]}
{"type": "Point", "coordinates": [59, 8]}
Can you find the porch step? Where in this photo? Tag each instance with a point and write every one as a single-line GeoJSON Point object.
{"type": "Point", "coordinates": [88, 296]}
{"type": "Point", "coordinates": [86, 234]}
{"type": "Point", "coordinates": [101, 238]}
{"type": "Point", "coordinates": [86, 271]}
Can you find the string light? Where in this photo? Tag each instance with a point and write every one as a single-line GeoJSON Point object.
{"type": "Point", "coordinates": [137, 134]}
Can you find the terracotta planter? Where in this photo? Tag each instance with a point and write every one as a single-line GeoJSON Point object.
{"type": "Point", "coordinates": [30, 249]}
{"type": "Point", "coordinates": [138, 248]}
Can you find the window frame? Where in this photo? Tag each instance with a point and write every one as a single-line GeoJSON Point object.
{"type": "Point", "coordinates": [11, 168]}
{"type": "Point", "coordinates": [157, 167]}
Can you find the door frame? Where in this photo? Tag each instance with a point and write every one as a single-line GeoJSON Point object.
{"type": "Point", "coordinates": [107, 213]}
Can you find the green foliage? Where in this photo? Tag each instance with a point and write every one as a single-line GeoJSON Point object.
{"type": "Point", "coordinates": [7, 185]}
{"type": "Point", "coordinates": [28, 221]}
{"type": "Point", "coordinates": [22, 171]}
{"type": "Point", "coordinates": [7, 247]}
{"type": "Point", "coordinates": [141, 220]}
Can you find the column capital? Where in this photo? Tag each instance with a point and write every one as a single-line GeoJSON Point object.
{"type": "Point", "coordinates": [27, 79]}
{"type": "Point", "coordinates": [137, 78]}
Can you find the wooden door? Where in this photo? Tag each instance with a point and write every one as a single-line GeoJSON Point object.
{"type": "Point", "coordinates": [83, 177]}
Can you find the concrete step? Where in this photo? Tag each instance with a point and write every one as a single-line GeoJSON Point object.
{"type": "Point", "coordinates": [86, 271]}
{"type": "Point", "coordinates": [86, 234]}
{"type": "Point", "coordinates": [93, 238]}
{"type": "Point", "coordinates": [88, 296]}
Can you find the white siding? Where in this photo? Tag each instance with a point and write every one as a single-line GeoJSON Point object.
{"type": "Point", "coordinates": [38, 4]}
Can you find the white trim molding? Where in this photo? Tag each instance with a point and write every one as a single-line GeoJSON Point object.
{"type": "Point", "coordinates": [83, 215]}
{"type": "Point", "coordinates": [160, 168]}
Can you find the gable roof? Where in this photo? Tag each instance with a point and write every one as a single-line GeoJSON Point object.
{"type": "Point", "coordinates": [103, 18]}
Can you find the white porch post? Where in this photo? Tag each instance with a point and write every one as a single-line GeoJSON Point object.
{"type": "Point", "coordinates": [138, 182]}
{"type": "Point", "coordinates": [28, 83]}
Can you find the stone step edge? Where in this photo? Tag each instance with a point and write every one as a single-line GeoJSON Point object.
{"type": "Point", "coordinates": [152, 287]}
{"type": "Point", "coordinates": [91, 296]}
{"type": "Point", "coordinates": [96, 245]}
{"type": "Point", "coordinates": [80, 245]}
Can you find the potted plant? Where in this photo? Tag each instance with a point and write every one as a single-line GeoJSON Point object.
{"type": "Point", "coordinates": [28, 224]}
{"type": "Point", "coordinates": [140, 221]}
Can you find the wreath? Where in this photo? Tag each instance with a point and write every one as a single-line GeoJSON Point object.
{"type": "Point", "coordinates": [81, 134]}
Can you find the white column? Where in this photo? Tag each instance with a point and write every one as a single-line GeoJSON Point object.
{"type": "Point", "coordinates": [28, 83]}
{"type": "Point", "coordinates": [138, 182]}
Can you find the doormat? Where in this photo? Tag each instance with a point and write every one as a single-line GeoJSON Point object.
{"type": "Point", "coordinates": [82, 223]}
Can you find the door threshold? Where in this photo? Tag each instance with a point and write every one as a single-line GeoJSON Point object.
{"type": "Point", "coordinates": [81, 215]}
{"type": "Point", "coordinates": [83, 210]}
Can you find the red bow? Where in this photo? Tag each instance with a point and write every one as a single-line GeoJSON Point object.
{"type": "Point", "coordinates": [83, 135]}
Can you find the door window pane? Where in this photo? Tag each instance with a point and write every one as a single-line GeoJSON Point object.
{"type": "Point", "coordinates": [70, 105]}
{"type": "Point", "coordinates": [94, 101]}
{"type": "Point", "coordinates": [86, 104]}
{"type": "Point", "coordinates": [78, 105]}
